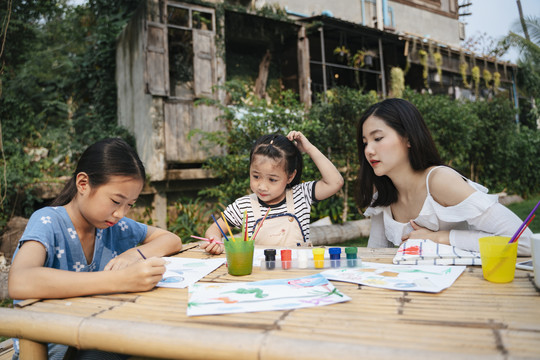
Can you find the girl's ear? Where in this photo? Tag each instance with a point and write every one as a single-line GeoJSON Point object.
{"type": "Point", "coordinates": [82, 182]}
{"type": "Point", "coordinates": [408, 142]}
{"type": "Point", "coordinates": [291, 177]}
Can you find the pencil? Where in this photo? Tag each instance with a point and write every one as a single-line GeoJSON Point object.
{"type": "Point", "coordinates": [219, 227]}
{"type": "Point", "coordinates": [206, 239]}
{"type": "Point", "coordinates": [228, 228]}
{"type": "Point", "coordinates": [246, 226]}
{"type": "Point", "coordinates": [260, 224]}
{"type": "Point", "coordinates": [524, 223]}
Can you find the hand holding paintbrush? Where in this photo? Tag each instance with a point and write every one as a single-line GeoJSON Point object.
{"type": "Point", "coordinates": [220, 228]}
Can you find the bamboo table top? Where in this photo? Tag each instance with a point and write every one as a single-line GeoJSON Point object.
{"type": "Point", "coordinates": [472, 319]}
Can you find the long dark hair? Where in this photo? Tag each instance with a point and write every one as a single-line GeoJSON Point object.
{"type": "Point", "coordinates": [100, 161]}
{"type": "Point", "coordinates": [406, 120]}
{"type": "Point", "coordinates": [278, 147]}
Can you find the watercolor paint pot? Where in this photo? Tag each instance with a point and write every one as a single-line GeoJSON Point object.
{"type": "Point", "coordinates": [318, 257]}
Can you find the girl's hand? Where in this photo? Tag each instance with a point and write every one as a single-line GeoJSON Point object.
{"type": "Point", "coordinates": [302, 143]}
{"type": "Point", "coordinates": [142, 275]}
{"type": "Point", "coordinates": [212, 247]}
{"type": "Point", "coordinates": [419, 232]}
{"type": "Point", "coordinates": [123, 260]}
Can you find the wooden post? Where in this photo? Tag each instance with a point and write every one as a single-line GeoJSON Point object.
{"type": "Point", "coordinates": [383, 77]}
{"type": "Point", "coordinates": [159, 212]}
{"type": "Point", "coordinates": [260, 83]}
{"type": "Point", "coordinates": [32, 350]}
{"type": "Point", "coordinates": [304, 75]}
{"type": "Point", "coordinates": [323, 59]}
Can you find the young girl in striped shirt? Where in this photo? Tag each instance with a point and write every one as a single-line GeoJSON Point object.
{"type": "Point", "coordinates": [275, 173]}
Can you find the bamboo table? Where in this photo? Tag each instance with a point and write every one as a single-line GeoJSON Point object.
{"type": "Point", "coordinates": [473, 319]}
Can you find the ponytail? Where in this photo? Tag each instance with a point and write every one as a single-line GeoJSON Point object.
{"type": "Point", "coordinates": [279, 148]}
{"type": "Point", "coordinates": [67, 193]}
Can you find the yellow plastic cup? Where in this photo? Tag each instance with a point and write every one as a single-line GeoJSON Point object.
{"type": "Point", "coordinates": [318, 257]}
{"type": "Point", "coordinates": [239, 257]}
{"type": "Point", "coordinates": [498, 258]}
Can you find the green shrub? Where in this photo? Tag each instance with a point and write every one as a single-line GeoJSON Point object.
{"type": "Point", "coordinates": [479, 139]}
{"type": "Point", "coordinates": [450, 123]}
{"type": "Point", "coordinates": [190, 217]}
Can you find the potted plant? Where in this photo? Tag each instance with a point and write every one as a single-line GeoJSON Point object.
{"type": "Point", "coordinates": [342, 54]}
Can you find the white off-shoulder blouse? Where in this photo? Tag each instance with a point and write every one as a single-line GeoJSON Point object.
{"type": "Point", "coordinates": [477, 216]}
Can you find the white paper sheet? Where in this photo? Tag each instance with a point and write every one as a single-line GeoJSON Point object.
{"type": "Point", "coordinates": [182, 272]}
{"type": "Point", "coordinates": [425, 278]}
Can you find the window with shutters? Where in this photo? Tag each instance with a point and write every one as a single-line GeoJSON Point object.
{"type": "Point", "coordinates": [191, 46]}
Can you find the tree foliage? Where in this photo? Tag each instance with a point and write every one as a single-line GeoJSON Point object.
{"type": "Point", "coordinates": [58, 95]}
{"type": "Point", "coordinates": [528, 77]}
{"type": "Point", "coordinates": [58, 92]}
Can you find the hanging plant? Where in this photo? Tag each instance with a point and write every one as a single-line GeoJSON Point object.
{"type": "Point", "coordinates": [438, 63]}
{"type": "Point", "coordinates": [407, 63]}
{"type": "Point", "coordinates": [463, 70]}
{"type": "Point", "coordinates": [397, 82]}
{"type": "Point", "coordinates": [475, 74]}
{"type": "Point", "coordinates": [424, 62]}
{"type": "Point", "coordinates": [358, 59]}
{"type": "Point", "coordinates": [496, 80]}
{"type": "Point", "coordinates": [343, 53]}
{"type": "Point", "coordinates": [487, 77]}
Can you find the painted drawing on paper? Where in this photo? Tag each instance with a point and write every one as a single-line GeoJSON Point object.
{"type": "Point", "coordinates": [425, 278]}
{"type": "Point", "coordinates": [266, 295]}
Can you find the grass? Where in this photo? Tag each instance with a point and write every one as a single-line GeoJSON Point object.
{"type": "Point", "coordinates": [356, 242]}
{"type": "Point", "coordinates": [523, 210]}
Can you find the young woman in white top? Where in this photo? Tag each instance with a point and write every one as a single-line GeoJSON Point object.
{"type": "Point", "coordinates": [410, 194]}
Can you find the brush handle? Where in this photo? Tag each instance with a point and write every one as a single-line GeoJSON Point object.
{"type": "Point", "coordinates": [219, 227]}
{"type": "Point", "coordinates": [524, 223]}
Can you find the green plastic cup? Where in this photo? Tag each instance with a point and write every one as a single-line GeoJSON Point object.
{"type": "Point", "coordinates": [239, 257]}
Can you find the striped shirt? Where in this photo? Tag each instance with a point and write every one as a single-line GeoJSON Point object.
{"type": "Point", "coordinates": [303, 196]}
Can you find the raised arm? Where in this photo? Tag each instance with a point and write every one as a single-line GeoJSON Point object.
{"type": "Point", "coordinates": [331, 180]}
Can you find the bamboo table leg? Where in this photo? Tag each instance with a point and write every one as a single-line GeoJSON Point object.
{"type": "Point", "coordinates": [32, 350]}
